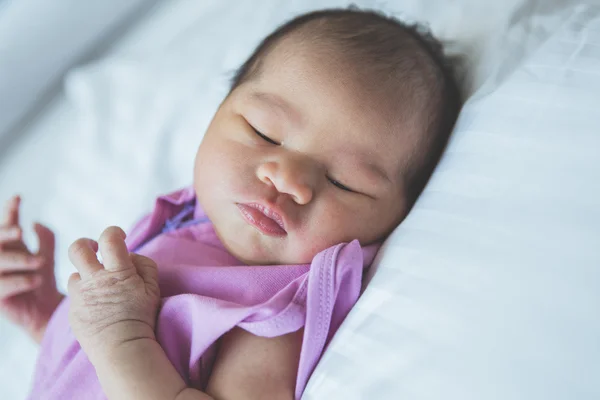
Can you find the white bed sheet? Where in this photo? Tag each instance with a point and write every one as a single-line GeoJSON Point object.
{"type": "Point", "coordinates": [132, 120]}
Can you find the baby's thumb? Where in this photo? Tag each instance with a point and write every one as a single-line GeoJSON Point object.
{"type": "Point", "coordinates": [46, 240]}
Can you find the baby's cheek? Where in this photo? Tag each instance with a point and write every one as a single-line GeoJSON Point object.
{"type": "Point", "coordinates": [316, 238]}
{"type": "Point", "coordinates": [341, 223]}
{"type": "Point", "coordinates": [213, 164]}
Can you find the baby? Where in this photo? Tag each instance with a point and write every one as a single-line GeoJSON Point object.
{"type": "Point", "coordinates": [232, 288]}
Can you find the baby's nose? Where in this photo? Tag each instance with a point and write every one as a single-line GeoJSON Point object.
{"type": "Point", "coordinates": [291, 176]}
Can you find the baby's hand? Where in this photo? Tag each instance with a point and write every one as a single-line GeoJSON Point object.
{"type": "Point", "coordinates": [114, 303]}
{"type": "Point", "coordinates": [28, 293]}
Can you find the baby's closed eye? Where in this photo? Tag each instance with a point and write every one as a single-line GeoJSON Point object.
{"type": "Point", "coordinates": [265, 137]}
{"type": "Point", "coordinates": [333, 181]}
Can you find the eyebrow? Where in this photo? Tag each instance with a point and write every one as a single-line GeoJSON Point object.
{"type": "Point", "coordinates": [279, 105]}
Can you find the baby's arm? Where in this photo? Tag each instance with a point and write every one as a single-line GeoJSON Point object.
{"type": "Point", "coordinates": [250, 367]}
{"type": "Point", "coordinates": [113, 314]}
{"type": "Point", "coordinates": [140, 369]}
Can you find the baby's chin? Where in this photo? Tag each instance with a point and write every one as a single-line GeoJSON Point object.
{"type": "Point", "coordinates": [251, 257]}
{"type": "Point", "coordinates": [254, 248]}
{"type": "Point", "coordinates": [246, 251]}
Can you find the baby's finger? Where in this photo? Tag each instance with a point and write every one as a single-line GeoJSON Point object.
{"type": "Point", "coordinates": [11, 212]}
{"type": "Point", "coordinates": [14, 261]}
{"type": "Point", "coordinates": [46, 240]}
{"type": "Point", "coordinates": [82, 254]}
{"type": "Point", "coordinates": [11, 285]}
{"type": "Point", "coordinates": [74, 279]}
{"type": "Point", "coordinates": [146, 268]}
{"type": "Point", "coordinates": [115, 255]}
{"type": "Point", "coordinates": [10, 234]}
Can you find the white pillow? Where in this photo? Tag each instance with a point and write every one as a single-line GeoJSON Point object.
{"type": "Point", "coordinates": [40, 40]}
{"type": "Point", "coordinates": [491, 287]}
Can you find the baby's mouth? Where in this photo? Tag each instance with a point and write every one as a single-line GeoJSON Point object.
{"type": "Point", "coordinates": [263, 218]}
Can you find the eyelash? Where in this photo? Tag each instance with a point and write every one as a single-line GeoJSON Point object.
{"type": "Point", "coordinates": [266, 138]}
{"type": "Point", "coordinates": [340, 185]}
{"type": "Point", "coordinates": [332, 181]}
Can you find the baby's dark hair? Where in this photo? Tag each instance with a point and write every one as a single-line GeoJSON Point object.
{"type": "Point", "coordinates": [396, 56]}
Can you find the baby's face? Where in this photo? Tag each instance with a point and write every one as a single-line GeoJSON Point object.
{"type": "Point", "coordinates": [297, 160]}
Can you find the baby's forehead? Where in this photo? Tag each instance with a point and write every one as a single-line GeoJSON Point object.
{"type": "Point", "coordinates": [333, 66]}
{"type": "Point", "coordinates": [316, 89]}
